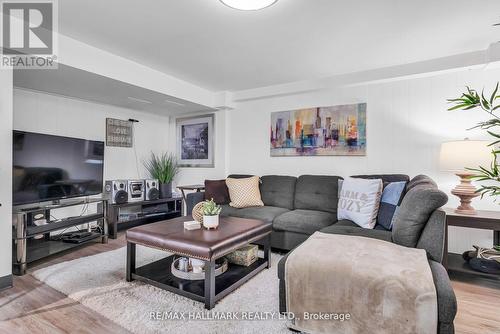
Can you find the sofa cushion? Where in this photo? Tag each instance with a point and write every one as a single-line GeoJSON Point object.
{"type": "Point", "coordinates": [228, 210]}
{"type": "Point", "coordinates": [359, 201]}
{"type": "Point", "coordinates": [357, 231]}
{"type": "Point", "coordinates": [217, 190]}
{"type": "Point", "coordinates": [417, 206]}
{"type": "Point", "coordinates": [317, 192]}
{"type": "Point", "coordinates": [265, 213]}
{"type": "Point", "coordinates": [389, 205]}
{"type": "Point", "coordinates": [303, 221]}
{"type": "Point", "coordinates": [447, 301]}
{"type": "Point", "coordinates": [240, 176]}
{"type": "Point", "coordinates": [420, 181]}
{"type": "Point", "coordinates": [346, 222]}
{"type": "Point", "coordinates": [386, 178]}
{"type": "Point", "coordinates": [277, 190]}
{"type": "Point", "coordinates": [245, 192]}
{"type": "Point", "coordinates": [389, 202]}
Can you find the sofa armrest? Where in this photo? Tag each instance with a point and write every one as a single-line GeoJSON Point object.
{"type": "Point", "coordinates": [192, 199]}
{"type": "Point", "coordinates": [282, 286]}
{"type": "Point", "coordinates": [447, 301]}
{"type": "Point", "coordinates": [433, 235]}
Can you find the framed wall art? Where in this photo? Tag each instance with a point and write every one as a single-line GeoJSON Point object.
{"type": "Point", "coordinates": [195, 141]}
{"type": "Point", "coordinates": [322, 131]}
{"type": "Point", "coordinates": [119, 133]}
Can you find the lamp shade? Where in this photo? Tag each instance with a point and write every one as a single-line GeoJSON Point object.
{"type": "Point", "coordinates": [458, 155]}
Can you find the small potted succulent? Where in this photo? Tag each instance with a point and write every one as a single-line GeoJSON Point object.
{"type": "Point", "coordinates": [211, 213]}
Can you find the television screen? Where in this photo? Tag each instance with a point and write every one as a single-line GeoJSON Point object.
{"type": "Point", "coordinates": [47, 167]}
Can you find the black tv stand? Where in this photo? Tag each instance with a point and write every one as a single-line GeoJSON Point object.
{"type": "Point", "coordinates": [28, 247]}
{"type": "Point", "coordinates": [146, 212]}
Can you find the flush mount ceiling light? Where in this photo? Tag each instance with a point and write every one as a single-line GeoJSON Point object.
{"type": "Point", "coordinates": [248, 4]}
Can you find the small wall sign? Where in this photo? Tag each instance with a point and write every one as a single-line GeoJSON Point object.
{"type": "Point", "coordinates": [119, 133]}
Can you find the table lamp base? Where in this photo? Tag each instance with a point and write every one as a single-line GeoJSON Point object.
{"type": "Point", "coordinates": [466, 192]}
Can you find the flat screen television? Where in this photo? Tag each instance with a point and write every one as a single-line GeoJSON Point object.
{"type": "Point", "coordinates": [50, 168]}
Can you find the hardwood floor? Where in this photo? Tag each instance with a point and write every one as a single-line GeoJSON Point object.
{"type": "Point", "coordinates": [33, 307]}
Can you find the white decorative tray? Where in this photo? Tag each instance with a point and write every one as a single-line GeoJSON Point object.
{"type": "Point", "coordinates": [189, 275]}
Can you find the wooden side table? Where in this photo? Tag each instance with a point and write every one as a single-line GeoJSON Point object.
{"type": "Point", "coordinates": [485, 220]}
{"type": "Point", "coordinates": [195, 187]}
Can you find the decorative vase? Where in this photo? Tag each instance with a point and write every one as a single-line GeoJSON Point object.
{"type": "Point", "coordinates": [166, 190]}
{"type": "Point", "coordinates": [210, 222]}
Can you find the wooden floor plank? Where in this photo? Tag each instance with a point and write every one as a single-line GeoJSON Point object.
{"type": "Point", "coordinates": [34, 307]}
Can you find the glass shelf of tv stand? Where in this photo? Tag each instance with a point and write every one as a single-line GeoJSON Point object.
{"type": "Point", "coordinates": [53, 206]}
{"type": "Point", "coordinates": [27, 249]}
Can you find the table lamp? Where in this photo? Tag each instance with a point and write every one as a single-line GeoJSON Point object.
{"type": "Point", "coordinates": [458, 155]}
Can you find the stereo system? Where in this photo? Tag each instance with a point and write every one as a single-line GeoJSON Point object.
{"type": "Point", "coordinates": [152, 191]}
{"type": "Point", "coordinates": [126, 191]}
{"type": "Point", "coordinates": [135, 190]}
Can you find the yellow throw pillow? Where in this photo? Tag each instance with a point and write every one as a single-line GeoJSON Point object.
{"type": "Point", "coordinates": [244, 193]}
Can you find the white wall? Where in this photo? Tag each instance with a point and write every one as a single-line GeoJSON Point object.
{"type": "Point", "coordinates": [39, 112]}
{"type": "Point", "coordinates": [6, 172]}
{"type": "Point", "coordinates": [57, 115]}
{"type": "Point", "coordinates": [406, 123]}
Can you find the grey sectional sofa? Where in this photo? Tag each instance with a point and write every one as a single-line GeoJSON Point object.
{"type": "Point", "coordinates": [298, 207]}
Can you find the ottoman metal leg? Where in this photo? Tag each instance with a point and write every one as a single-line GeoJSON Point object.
{"type": "Point", "coordinates": [209, 284]}
{"type": "Point", "coordinates": [130, 261]}
{"type": "Point", "coordinates": [267, 250]}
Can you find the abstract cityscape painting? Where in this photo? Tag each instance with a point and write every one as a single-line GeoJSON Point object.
{"type": "Point", "coordinates": [335, 130]}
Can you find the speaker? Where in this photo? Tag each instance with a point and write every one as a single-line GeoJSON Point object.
{"type": "Point", "coordinates": [135, 190]}
{"type": "Point", "coordinates": [116, 191]}
{"type": "Point", "coordinates": [152, 190]}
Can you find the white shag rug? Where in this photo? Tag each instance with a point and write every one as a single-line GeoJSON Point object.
{"type": "Point", "coordinates": [98, 282]}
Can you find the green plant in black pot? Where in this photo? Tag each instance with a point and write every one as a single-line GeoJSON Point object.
{"type": "Point", "coordinates": [164, 168]}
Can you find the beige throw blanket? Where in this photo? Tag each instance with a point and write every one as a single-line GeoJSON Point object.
{"type": "Point", "coordinates": [350, 284]}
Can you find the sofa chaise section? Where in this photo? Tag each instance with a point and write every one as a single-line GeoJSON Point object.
{"type": "Point", "coordinates": [420, 225]}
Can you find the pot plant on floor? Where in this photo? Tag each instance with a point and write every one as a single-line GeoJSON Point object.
{"type": "Point", "coordinates": [211, 213]}
{"type": "Point", "coordinates": [164, 168]}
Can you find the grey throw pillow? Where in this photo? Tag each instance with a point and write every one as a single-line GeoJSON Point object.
{"type": "Point", "coordinates": [422, 199]}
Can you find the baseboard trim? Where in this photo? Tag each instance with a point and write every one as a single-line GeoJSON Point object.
{"type": "Point", "coordinates": [5, 282]}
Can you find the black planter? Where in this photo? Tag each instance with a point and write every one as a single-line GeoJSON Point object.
{"type": "Point", "coordinates": [166, 190]}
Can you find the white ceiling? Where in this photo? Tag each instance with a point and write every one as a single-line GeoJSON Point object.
{"type": "Point", "coordinates": [208, 44]}
{"type": "Point", "coordinates": [76, 83]}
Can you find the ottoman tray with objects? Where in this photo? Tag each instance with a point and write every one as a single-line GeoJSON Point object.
{"type": "Point", "coordinates": [202, 244]}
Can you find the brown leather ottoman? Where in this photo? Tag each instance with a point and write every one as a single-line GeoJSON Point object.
{"type": "Point", "coordinates": [206, 245]}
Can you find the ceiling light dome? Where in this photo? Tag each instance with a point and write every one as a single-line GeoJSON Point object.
{"type": "Point", "coordinates": [248, 4]}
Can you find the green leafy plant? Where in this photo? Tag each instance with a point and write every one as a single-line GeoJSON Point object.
{"type": "Point", "coordinates": [162, 167]}
{"type": "Point", "coordinates": [210, 208]}
{"type": "Point", "coordinates": [472, 99]}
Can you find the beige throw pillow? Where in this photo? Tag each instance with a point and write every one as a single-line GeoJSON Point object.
{"type": "Point", "coordinates": [245, 192]}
